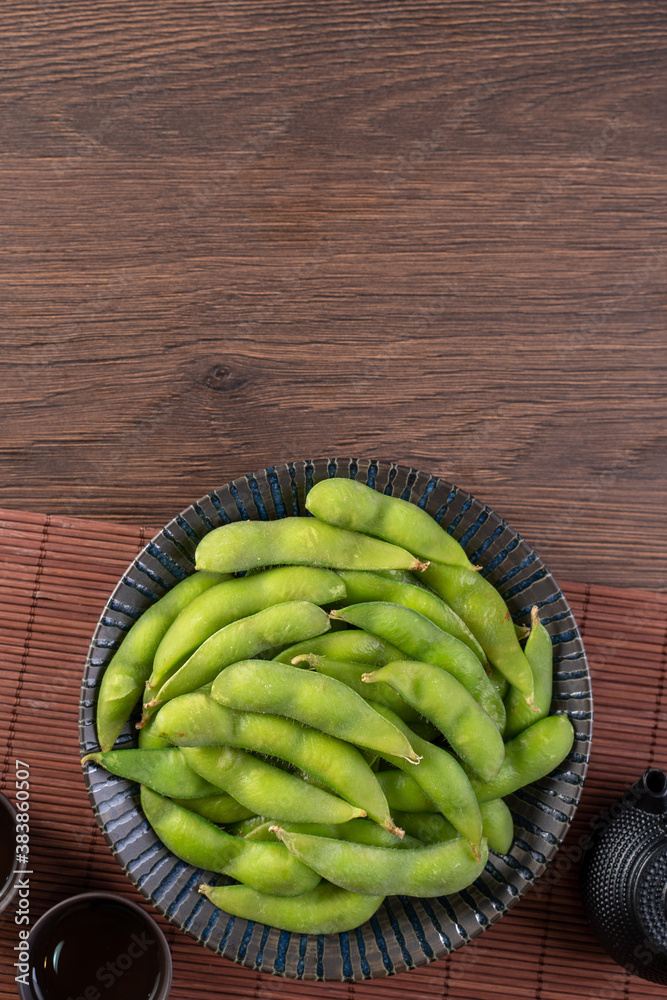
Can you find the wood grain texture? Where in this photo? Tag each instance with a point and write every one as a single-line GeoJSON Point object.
{"type": "Point", "coordinates": [237, 233]}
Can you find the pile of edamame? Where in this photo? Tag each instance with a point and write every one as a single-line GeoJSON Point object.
{"type": "Point", "coordinates": [340, 722]}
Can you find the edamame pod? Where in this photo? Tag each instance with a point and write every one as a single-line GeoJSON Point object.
{"type": "Point", "coordinates": [350, 673]}
{"type": "Point", "coordinates": [149, 739]}
{"type": "Point", "coordinates": [498, 825]}
{"type": "Point", "coordinates": [429, 827]}
{"type": "Point", "coordinates": [449, 706]}
{"type": "Point", "coordinates": [420, 639]}
{"type": "Point", "coordinates": [485, 613]}
{"type": "Point", "coordinates": [200, 843]}
{"type": "Point", "coordinates": [326, 909]}
{"type": "Point", "coordinates": [443, 779]}
{"type": "Point", "coordinates": [351, 644]}
{"type": "Point", "coordinates": [539, 653]}
{"type": "Point", "coordinates": [403, 793]}
{"type": "Point", "coordinates": [363, 587]}
{"type": "Point", "coordinates": [267, 790]}
{"type": "Point", "coordinates": [431, 870]}
{"type": "Point", "coordinates": [311, 698]}
{"type": "Point", "coordinates": [234, 599]}
{"type": "Point", "coordinates": [299, 541]}
{"type": "Point", "coordinates": [501, 684]}
{"type": "Point", "coordinates": [528, 757]}
{"type": "Point", "coordinates": [354, 505]}
{"type": "Point", "coordinates": [164, 771]}
{"type": "Point", "coordinates": [221, 808]}
{"type": "Point", "coordinates": [359, 831]}
{"type": "Point", "coordinates": [197, 720]}
{"type": "Point", "coordinates": [291, 621]}
{"type": "Point", "coordinates": [124, 678]}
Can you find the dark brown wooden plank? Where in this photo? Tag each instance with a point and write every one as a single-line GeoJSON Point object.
{"type": "Point", "coordinates": [232, 235]}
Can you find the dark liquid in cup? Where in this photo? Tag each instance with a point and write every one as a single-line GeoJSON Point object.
{"type": "Point", "coordinates": [97, 950]}
{"type": "Point", "coordinates": [7, 846]}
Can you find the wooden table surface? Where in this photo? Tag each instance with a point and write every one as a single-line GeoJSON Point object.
{"type": "Point", "coordinates": [235, 233]}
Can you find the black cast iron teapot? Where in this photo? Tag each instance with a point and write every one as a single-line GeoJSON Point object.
{"type": "Point", "coordinates": [624, 878]}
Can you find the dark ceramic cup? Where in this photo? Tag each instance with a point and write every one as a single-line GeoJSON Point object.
{"type": "Point", "coordinates": [95, 946]}
{"type": "Point", "coordinates": [8, 882]}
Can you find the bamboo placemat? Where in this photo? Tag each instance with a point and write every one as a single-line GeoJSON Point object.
{"type": "Point", "coordinates": [55, 576]}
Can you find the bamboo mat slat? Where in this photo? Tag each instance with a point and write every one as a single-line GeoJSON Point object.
{"type": "Point", "coordinates": [56, 575]}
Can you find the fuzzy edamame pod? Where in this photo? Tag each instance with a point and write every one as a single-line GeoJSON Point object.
{"type": "Point", "coordinates": [420, 639]}
{"type": "Point", "coordinates": [299, 541]}
{"type": "Point", "coordinates": [539, 653]}
{"type": "Point", "coordinates": [196, 720]}
{"type": "Point", "coordinates": [403, 793]}
{"type": "Point", "coordinates": [429, 827]}
{"type": "Point", "coordinates": [221, 808]}
{"type": "Point", "coordinates": [359, 831]}
{"type": "Point", "coordinates": [441, 698]}
{"type": "Point", "coordinates": [528, 757]}
{"type": "Point", "coordinates": [164, 771]}
{"type": "Point", "coordinates": [501, 684]}
{"type": "Point", "coordinates": [349, 672]}
{"type": "Point", "coordinates": [362, 587]}
{"type": "Point", "coordinates": [498, 825]}
{"type": "Point", "coordinates": [358, 507]}
{"type": "Point", "coordinates": [234, 599]}
{"type": "Point", "coordinates": [265, 789]}
{"type": "Point", "coordinates": [326, 909]}
{"type": "Point", "coordinates": [125, 676]}
{"type": "Point", "coordinates": [443, 779]}
{"type": "Point", "coordinates": [291, 621]}
{"type": "Point", "coordinates": [314, 699]}
{"type": "Point", "coordinates": [149, 739]}
{"type": "Point", "coordinates": [485, 613]}
{"type": "Point", "coordinates": [200, 843]}
{"type": "Point", "coordinates": [430, 870]}
{"type": "Point", "coordinates": [351, 644]}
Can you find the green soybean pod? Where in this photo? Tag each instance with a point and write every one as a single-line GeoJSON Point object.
{"type": "Point", "coordinates": [326, 909]}
{"type": "Point", "coordinates": [498, 825]}
{"type": "Point", "coordinates": [150, 739]}
{"type": "Point", "coordinates": [430, 870]}
{"type": "Point", "coordinates": [352, 644]}
{"type": "Point", "coordinates": [221, 808]}
{"type": "Point", "coordinates": [234, 599]}
{"type": "Point", "coordinates": [427, 827]}
{"type": "Point", "coordinates": [314, 699]}
{"type": "Point", "coordinates": [403, 794]}
{"type": "Point", "coordinates": [443, 779]}
{"type": "Point", "coordinates": [359, 831]}
{"type": "Point", "coordinates": [163, 771]}
{"type": "Point", "coordinates": [200, 843]}
{"type": "Point", "coordinates": [438, 696]}
{"type": "Point", "coordinates": [420, 639]}
{"type": "Point", "coordinates": [125, 676]}
{"type": "Point", "coordinates": [539, 653]}
{"type": "Point", "coordinates": [287, 622]}
{"type": "Point", "coordinates": [364, 587]}
{"type": "Point", "coordinates": [502, 686]}
{"type": "Point", "coordinates": [196, 720]}
{"type": "Point", "coordinates": [348, 672]}
{"type": "Point", "coordinates": [485, 613]}
{"type": "Point", "coordinates": [528, 757]}
{"type": "Point", "coordinates": [265, 789]}
{"type": "Point", "coordinates": [245, 827]}
{"type": "Point", "coordinates": [299, 541]}
{"type": "Point", "coordinates": [354, 505]}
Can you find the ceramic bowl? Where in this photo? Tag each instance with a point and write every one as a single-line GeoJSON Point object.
{"type": "Point", "coordinates": [406, 932]}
